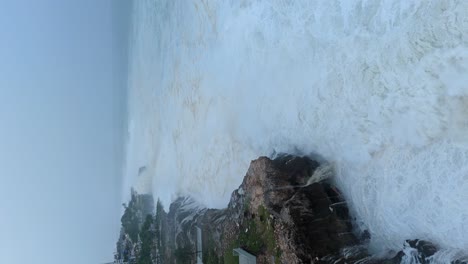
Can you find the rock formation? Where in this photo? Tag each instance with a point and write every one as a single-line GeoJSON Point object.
{"type": "Point", "coordinates": [285, 211]}
{"type": "Point", "coordinates": [276, 213]}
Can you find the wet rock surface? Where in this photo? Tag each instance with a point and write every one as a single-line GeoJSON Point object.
{"type": "Point", "coordinates": [292, 221]}
{"type": "Point", "coordinates": [285, 211]}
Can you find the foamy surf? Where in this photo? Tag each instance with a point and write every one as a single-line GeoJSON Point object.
{"type": "Point", "coordinates": [378, 88]}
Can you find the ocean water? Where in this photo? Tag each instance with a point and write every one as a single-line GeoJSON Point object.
{"type": "Point", "coordinates": [378, 88]}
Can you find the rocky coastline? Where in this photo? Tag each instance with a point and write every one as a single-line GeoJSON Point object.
{"type": "Point", "coordinates": [285, 211]}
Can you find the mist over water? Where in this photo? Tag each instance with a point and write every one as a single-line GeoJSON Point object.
{"type": "Point", "coordinates": [378, 88]}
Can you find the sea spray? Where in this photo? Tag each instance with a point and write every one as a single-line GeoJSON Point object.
{"type": "Point", "coordinates": [375, 87]}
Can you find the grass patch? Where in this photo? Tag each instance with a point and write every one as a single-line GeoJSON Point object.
{"type": "Point", "coordinates": [256, 236]}
{"type": "Point", "coordinates": [229, 258]}
{"type": "Point", "coordinates": [267, 230]}
{"type": "Point", "coordinates": [250, 238]}
{"type": "Point", "coordinates": [209, 253]}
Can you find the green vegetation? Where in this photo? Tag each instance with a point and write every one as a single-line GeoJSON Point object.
{"type": "Point", "coordinates": [209, 253]}
{"type": "Point", "coordinates": [141, 228]}
{"type": "Point", "coordinates": [149, 241]}
{"type": "Point", "coordinates": [228, 257]}
{"type": "Point", "coordinates": [146, 237]}
{"type": "Point", "coordinates": [256, 236]}
{"type": "Point", "coordinates": [212, 258]}
{"type": "Point", "coordinates": [184, 255]}
{"type": "Point", "coordinates": [129, 220]}
{"type": "Point", "coordinates": [126, 255]}
{"type": "Point", "coordinates": [266, 228]}
{"type": "Point", "coordinates": [160, 228]}
{"type": "Point", "coordinates": [251, 238]}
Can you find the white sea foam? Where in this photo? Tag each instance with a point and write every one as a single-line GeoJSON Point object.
{"type": "Point", "coordinates": [379, 88]}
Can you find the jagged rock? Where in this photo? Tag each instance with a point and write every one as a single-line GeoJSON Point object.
{"type": "Point", "coordinates": [278, 213]}
{"type": "Point", "coordinates": [425, 249]}
{"type": "Point", "coordinates": [419, 251]}
{"type": "Point", "coordinates": [311, 221]}
{"type": "Point", "coordinates": [140, 205]}
{"type": "Point", "coordinates": [308, 222]}
{"type": "Point", "coordinates": [315, 228]}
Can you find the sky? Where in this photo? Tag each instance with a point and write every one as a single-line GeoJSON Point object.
{"type": "Point", "coordinates": [62, 111]}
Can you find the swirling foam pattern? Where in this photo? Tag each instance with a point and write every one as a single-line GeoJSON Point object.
{"type": "Point", "coordinates": [379, 88]}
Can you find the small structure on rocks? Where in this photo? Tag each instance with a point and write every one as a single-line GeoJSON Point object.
{"type": "Point", "coordinates": [244, 256]}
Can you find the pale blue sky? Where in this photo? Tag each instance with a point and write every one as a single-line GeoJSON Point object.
{"type": "Point", "coordinates": [61, 113]}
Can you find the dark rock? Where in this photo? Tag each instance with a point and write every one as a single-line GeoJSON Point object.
{"type": "Point", "coordinates": [276, 212]}
{"type": "Point", "coordinates": [425, 248]}
{"type": "Point", "coordinates": [311, 221]}
{"type": "Point", "coordinates": [297, 169]}
{"type": "Point", "coordinates": [365, 236]}
{"type": "Point", "coordinates": [314, 224]}
{"type": "Point", "coordinates": [422, 251]}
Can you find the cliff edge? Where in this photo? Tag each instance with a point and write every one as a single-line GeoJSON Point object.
{"type": "Point", "coordinates": [285, 211]}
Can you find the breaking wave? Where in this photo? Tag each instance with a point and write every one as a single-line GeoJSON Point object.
{"type": "Point", "coordinates": [378, 88]}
